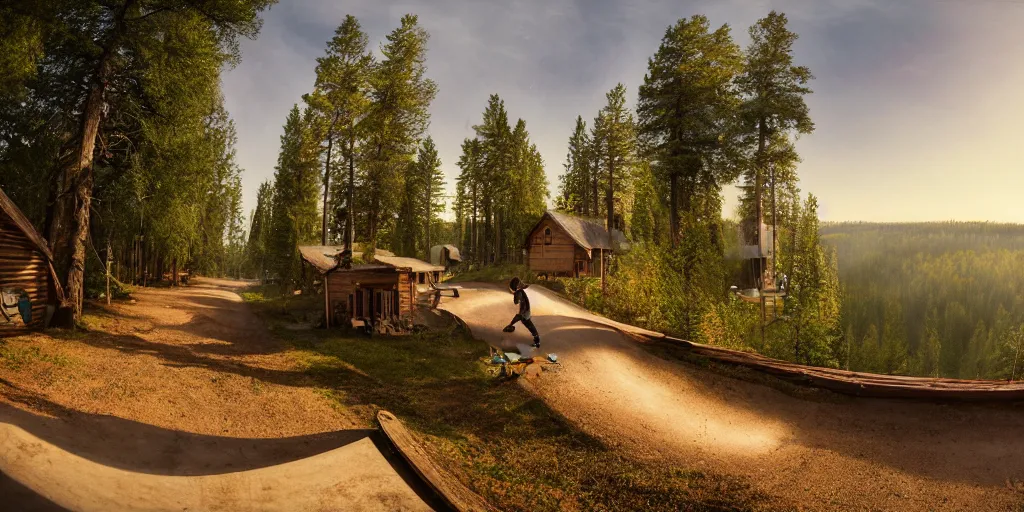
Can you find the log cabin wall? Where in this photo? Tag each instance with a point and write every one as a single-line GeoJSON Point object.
{"type": "Point", "coordinates": [551, 249]}
{"type": "Point", "coordinates": [343, 285]}
{"type": "Point", "coordinates": [406, 295]}
{"type": "Point", "coordinates": [23, 267]}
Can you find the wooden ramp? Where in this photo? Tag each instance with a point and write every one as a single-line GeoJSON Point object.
{"type": "Point", "coordinates": [449, 488]}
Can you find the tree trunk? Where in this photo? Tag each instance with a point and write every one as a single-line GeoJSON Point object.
{"type": "Point", "coordinates": [610, 205]}
{"type": "Point", "coordinates": [69, 228]}
{"type": "Point", "coordinates": [174, 271]}
{"type": "Point", "coordinates": [775, 228]}
{"type": "Point", "coordinates": [762, 133]}
{"type": "Point", "coordinates": [350, 206]}
{"type": "Point", "coordinates": [474, 236]}
{"type": "Point", "coordinates": [327, 186]}
{"type": "Point", "coordinates": [430, 213]}
{"type": "Point", "coordinates": [673, 207]}
{"type": "Point", "coordinates": [486, 253]}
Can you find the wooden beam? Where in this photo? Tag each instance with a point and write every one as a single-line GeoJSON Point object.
{"type": "Point", "coordinates": [456, 495]}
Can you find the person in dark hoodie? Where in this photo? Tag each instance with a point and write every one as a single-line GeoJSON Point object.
{"type": "Point", "coordinates": [519, 297]}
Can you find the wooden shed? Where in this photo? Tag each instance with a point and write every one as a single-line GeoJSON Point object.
{"type": "Point", "coordinates": [26, 272]}
{"type": "Point", "coordinates": [446, 256]}
{"type": "Point", "coordinates": [566, 245]}
{"type": "Point", "coordinates": [380, 295]}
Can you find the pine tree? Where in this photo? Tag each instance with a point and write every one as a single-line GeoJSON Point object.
{"type": "Point", "coordinates": [398, 117]}
{"type": "Point", "coordinates": [258, 244]}
{"type": "Point", "coordinates": [613, 143]}
{"type": "Point", "coordinates": [685, 112]}
{"type": "Point", "coordinates": [340, 100]}
{"type": "Point", "coordinates": [773, 89]}
{"type": "Point", "coordinates": [471, 182]}
{"type": "Point", "coordinates": [528, 192]}
{"type": "Point", "coordinates": [294, 220]}
{"type": "Point", "coordinates": [576, 195]}
{"type": "Point", "coordinates": [108, 53]}
{"type": "Point", "coordinates": [648, 221]}
{"type": "Point", "coordinates": [422, 201]}
{"type": "Point", "coordinates": [429, 165]}
{"type": "Point", "coordinates": [494, 134]}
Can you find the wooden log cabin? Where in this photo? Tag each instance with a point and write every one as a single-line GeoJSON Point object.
{"type": "Point", "coordinates": [379, 296]}
{"type": "Point", "coordinates": [565, 245]}
{"type": "Point", "coordinates": [26, 271]}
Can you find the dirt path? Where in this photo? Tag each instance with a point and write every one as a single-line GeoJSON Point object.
{"type": "Point", "coordinates": [847, 454]}
{"type": "Point", "coordinates": [182, 399]}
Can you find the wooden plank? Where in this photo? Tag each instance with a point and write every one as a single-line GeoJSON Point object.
{"type": "Point", "coordinates": [860, 384]}
{"type": "Point", "coordinates": [18, 218]}
{"type": "Point", "coordinates": [447, 487]}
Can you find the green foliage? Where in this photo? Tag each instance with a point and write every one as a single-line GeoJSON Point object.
{"type": "Point", "coordinates": [576, 192]}
{"type": "Point", "coordinates": [648, 221]}
{"type": "Point", "coordinates": [164, 187]}
{"type": "Point", "coordinates": [947, 293]}
{"type": "Point", "coordinates": [686, 111]}
{"type": "Point", "coordinates": [294, 213]}
{"type": "Point", "coordinates": [613, 149]}
{"type": "Point", "coordinates": [339, 103]}
{"type": "Point", "coordinates": [21, 46]}
{"type": "Point", "coordinates": [258, 243]}
{"type": "Point", "coordinates": [398, 116]}
{"type": "Point", "coordinates": [773, 108]}
{"type": "Point", "coordinates": [503, 187]}
{"type": "Point", "coordinates": [422, 202]}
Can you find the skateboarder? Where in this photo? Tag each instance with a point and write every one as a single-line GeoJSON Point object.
{"type": "Point", "coordinates": [518, 290]}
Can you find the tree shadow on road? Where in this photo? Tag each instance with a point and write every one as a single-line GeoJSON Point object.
{"type": "Point", "coordinates": [143, 448]}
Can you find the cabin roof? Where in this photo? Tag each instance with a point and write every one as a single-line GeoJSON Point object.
{"type": "Point", "coordinates": [23, 224]}
{"type": "Point", "coordinates": [453, 252]}
{"type": "Point", "coordinates": [413, 264]}
{"type": "Point", "coordinates": [324, 257]}
{"type": "Point", "coordinates": [588, 234]}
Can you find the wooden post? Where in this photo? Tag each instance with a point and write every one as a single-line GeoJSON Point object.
{"type": "Point", "coordinates": [327, 302]}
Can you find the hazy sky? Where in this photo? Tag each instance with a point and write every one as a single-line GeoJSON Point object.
{"type": "Point", "coordinates": [913, 100]}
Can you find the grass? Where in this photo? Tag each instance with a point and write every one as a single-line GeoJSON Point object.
{"type": "Point", "coordinates": [502, 441]}
{"type": "Point", "coordinates": [17, 357]}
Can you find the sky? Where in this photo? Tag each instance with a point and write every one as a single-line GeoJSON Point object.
{"type": "Point", "coordinates": [915, 102]}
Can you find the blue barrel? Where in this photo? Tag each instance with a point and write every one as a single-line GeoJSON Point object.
{"type": "Point", "coordinates": [25, 308]}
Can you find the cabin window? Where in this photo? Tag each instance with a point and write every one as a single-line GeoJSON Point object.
{"type": "Point", "coordinates": [421, 277]}
{"type": "Point", "coordinates": [547, 236]}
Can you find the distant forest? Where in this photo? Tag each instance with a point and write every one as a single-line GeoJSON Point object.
{"type": "Point", "coordinates": [934, 299]}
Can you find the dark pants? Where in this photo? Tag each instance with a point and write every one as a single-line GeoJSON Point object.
{"type": "Point", "coordinates": [529, 325]}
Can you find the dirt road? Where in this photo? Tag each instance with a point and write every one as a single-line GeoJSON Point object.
{"type": "Point", "coordinates": [182, 401]}
{"type": "Point", "coordinates": [841, 454]}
